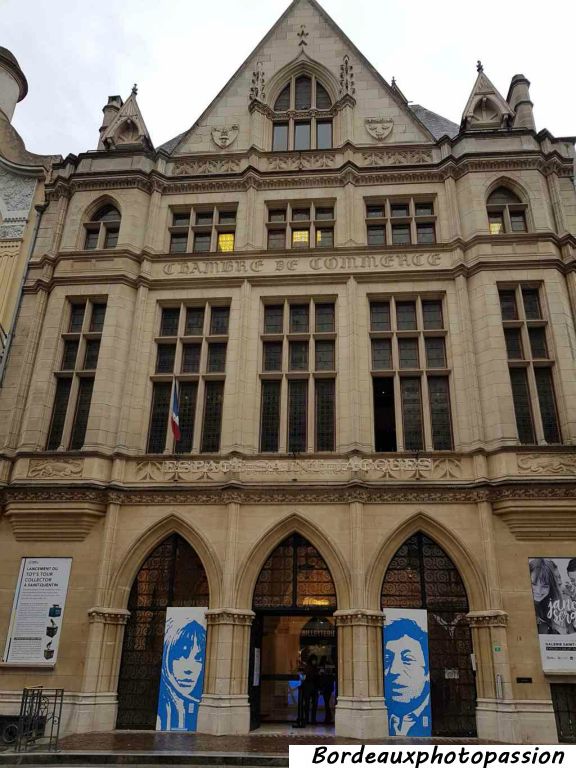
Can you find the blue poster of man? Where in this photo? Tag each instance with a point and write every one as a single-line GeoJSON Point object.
{"type": "Point", "coordinates": [407, 672]}
{"type": "Point", "coordinates": [182, 678]}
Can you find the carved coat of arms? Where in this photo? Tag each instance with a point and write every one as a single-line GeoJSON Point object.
{"type": "Point", "coordinates": [379, 127]}
{"type": "Point", "coordinates": [224, 137]}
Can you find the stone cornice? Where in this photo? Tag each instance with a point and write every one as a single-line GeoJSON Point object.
{"type": "Point", "coordinates": [492, 618]}
{"type": "Point", "coordinates": [290, 494]}
{"type": "Point", "coordinates": [233, 616]}
{"type": "Point", "coordinates": [363, 166]}
{"type": "Point", "coordinates": [117, 616]}
{"type": "Point", "coordinates": [359, 617]}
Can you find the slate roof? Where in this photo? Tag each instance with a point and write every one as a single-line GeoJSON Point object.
{"type": "Point", "coordinates": [169, 146]}
{"type": "Point", "coordinates": [437, 125]}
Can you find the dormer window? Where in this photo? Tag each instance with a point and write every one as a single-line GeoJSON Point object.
{"type": "Point", "coordinates": [102, 230]}
{"type": "Point", "coordinates": [506, 212]}
{"type": "Point", "coordinates": [299, 123]}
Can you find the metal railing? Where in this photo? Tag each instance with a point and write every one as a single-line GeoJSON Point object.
{"type": "Point", "coordinates": [39, 719]}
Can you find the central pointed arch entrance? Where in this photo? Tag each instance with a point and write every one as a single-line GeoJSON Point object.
{"type": "Point", "coordinates": [294, 600]}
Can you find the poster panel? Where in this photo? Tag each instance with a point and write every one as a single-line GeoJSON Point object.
{"type": "Point", "coordinates": [182, 677]}
{"type": "Point", "coordinates": [38, 611]}
{"type": "Point", "coordinates": [554, 594]}
{"type": "Point", "coordinates": [407, 672]}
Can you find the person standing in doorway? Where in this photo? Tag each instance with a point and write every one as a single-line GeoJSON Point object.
{"type": "Point", "coordinates": [326, 687]}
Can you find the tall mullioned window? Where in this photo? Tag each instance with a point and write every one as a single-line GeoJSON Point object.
{"type": "Point", "coordinates": [302, 118]}
{"type": "Point", "coordinates": [298, 379]}
{"type": "Point", "coordinates": [191, 348]}
{"type": "Point", "coordinates": [75, 378]}
{"type": "Point", "coordinates": [530, 363]}
{"type": "Point", "coordinates": [410, 375]}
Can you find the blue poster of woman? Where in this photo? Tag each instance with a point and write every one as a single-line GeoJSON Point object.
{"type": "Point", "coordinates": [182, 677]}
{"type": "Point", "coordinates": [407, 672]}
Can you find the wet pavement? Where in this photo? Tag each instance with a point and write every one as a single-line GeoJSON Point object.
{"type": "Point", "coordinates": [262, 742]}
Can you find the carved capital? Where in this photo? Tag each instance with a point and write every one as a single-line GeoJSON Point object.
{"type": "Point", "coordinates": [229, 616]}
{"type": "Point", "coordinates": [480, 619]}
{"type": "Point", "coordinates": [359, 617]}
{"type": "Point", "coordinates": [98, 615]}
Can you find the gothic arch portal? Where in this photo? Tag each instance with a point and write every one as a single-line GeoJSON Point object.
{"type": "Point", "coordinates": [137, 553]}
{"type": "Point", "coordinates": [472, 577]}
{"type": "Point", "coordinates": [254, 561]}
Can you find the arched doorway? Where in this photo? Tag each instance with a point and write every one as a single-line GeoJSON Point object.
{"type": "Point", "coordinates": [294, 599]}
{"type": "Point", "coordinates": [421, 575]}
{"type": "Point", "coordinates": [172, 575]}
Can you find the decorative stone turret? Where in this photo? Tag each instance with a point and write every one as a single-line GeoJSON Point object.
{"type": "Point", "coordinates": [486, 107]}
{"type": "Point", "coordinates": [519, 100]}
{"type": "Point", "coordinates": [110, 111]}
{"type": "Point", "coordinates": [13, 84]}
{"type": "Point", "coordinates": [123, 125]}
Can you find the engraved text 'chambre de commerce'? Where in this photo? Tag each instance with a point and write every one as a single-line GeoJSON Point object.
{"type": "Point", "coordinates": [315, 263]}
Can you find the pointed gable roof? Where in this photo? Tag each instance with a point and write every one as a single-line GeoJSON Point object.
{"type": "Point", "coordinates": [394, 94]}
{"type": "Point", "coordinates": [486, 107]}
{"type": "Point", "coordinates": [128, 127]}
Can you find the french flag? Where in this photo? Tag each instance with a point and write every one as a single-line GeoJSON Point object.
{"type": "Point", "coordinates": [175, 414]}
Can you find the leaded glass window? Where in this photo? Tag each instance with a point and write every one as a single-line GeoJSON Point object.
{"type": "Point", "coordinates": [75, 384]}
{"type": "Point", "coordinates": [295, 576]}
{"type": "Point", "coordinates": [270, 416]}
{"type": "Point", "coordinates": [325, 415]}
{"type": "Point", "coordinates": [213, 403]}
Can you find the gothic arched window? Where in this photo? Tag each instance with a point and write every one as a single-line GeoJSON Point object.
{"type": "Point", "coordinates": [506, 212]}
{"type": "Point", "coordinates": [103, 228]}
{"type": "Point", "coordinates": [302, 119]}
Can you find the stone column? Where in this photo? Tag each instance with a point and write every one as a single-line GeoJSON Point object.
{"type": "Point", "coordinates": [495, 708]}
{"type": "Point", "coordinates": [104, 642]}
{"type": "Point", "coordinates": [360, 711]}
{"type": "Point", "coordinates": [101, 669]}
{"type": "Point", "coordinates": [225, 708]}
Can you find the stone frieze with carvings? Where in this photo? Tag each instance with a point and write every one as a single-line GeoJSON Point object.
{"type": "Point", "coordinates": [309, 470]}
{"type": "Point", "coordinates": [547, 464]}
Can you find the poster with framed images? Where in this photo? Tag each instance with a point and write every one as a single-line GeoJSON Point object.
{"type": "Point", "coordinates": [554, 594]}
{"type": "Point", "coordinates": [37, 611]}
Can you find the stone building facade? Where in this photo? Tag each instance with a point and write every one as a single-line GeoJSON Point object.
{"type": "Point", "coordinates": [368, 313]}
{"type": "Point", "coordinates": [22, 177]}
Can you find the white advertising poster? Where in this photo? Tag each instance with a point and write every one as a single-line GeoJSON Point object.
{"type": "Point", "coordinates": [554, 593]}
{"type": "Point", "coordinates": [182, 676]}
{"type": "Point", "coordinates": [38, 611]}
{"type": "Point", "coordinates": [407, 672]}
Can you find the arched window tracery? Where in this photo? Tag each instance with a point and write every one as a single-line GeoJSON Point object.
{"type": "Point", "coordinates": [103, 228]}
{"type": "Point", "coordinates": [302, 117]}
{"type": "Point", "coordinates": [506, 212]}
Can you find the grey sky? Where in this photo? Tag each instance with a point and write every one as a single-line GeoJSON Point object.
{"type": "Point", "coordinates": [181, 52]}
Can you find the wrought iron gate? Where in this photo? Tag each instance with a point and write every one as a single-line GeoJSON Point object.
{"type": "Point", "coordinates": [564, 701]}
{"type": "Point", "coordinates": [421, 575]}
